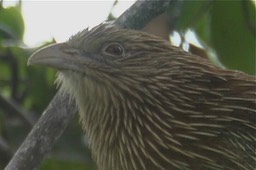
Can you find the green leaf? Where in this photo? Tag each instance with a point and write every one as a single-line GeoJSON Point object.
{"type": "Point", "coordinates": [231, 36]}
{"type": "Point", "coordinates": [202, 29]}
{"type": "Point", "coordinates": [191, 13]}
{"type": "Point", "coordinates": [11, 23]}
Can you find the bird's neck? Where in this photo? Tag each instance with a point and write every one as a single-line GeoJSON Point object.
{"type": "Point", "coordinates": [106, 123]}
{"type": "Point", "coordinates": [108, 126]}
{"type": "Point", "coordinates": [115, 126]}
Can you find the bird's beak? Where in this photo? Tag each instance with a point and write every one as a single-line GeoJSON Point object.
{"type": "Point", "coordinates": [59, 56]}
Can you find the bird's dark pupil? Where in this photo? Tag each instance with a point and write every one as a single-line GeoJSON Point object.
{"type": "Point", "coordinates": [114, 49]}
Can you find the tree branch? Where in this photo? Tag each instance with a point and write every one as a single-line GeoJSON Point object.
{"type": "Point", "coordinates": [59, 113]}
{"type": "Point", "coordinates": [140, 13]}
{"type": "Point", "coordinates": [44, 134]}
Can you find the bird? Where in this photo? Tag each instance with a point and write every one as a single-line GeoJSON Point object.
{"type": "Point", "coordinates": [145, 104]}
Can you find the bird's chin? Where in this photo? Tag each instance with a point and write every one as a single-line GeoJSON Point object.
{"type": "Point", "coordinates": [66, 82]}
{"type": "Point", "coordinates": [73, 83]}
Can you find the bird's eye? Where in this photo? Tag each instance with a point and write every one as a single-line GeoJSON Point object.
{"type": "Point", "coordinates": [114, 49]}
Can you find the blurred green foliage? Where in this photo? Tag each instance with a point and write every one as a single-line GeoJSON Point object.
{"type": "Point", "coordinates": [227, 27]}
{"type": "Point", "coordinates": [12, 24]}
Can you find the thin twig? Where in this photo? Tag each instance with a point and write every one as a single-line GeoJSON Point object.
{"type": "Point", "coordinates": [13, 107]}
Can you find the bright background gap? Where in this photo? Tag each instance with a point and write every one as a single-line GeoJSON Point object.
{"type": "Point", "coordinates": [60, 19]}
{"type": "Point", "coordinates": [45, 20]}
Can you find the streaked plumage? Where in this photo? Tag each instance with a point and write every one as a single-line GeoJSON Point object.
{"type": "Point", "coordinates": [145, 104]}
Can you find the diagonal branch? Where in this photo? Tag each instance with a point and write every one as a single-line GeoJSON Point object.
{"type": "Point", "coordinates": [141, 13]}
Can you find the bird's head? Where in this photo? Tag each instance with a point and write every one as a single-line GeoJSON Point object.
{"type": "Point", "coordinates": [106, 57]}
{"type": "Point", "coordinates": [112, 74]}
{"type": "Point", "coordinates": [104, 46]}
